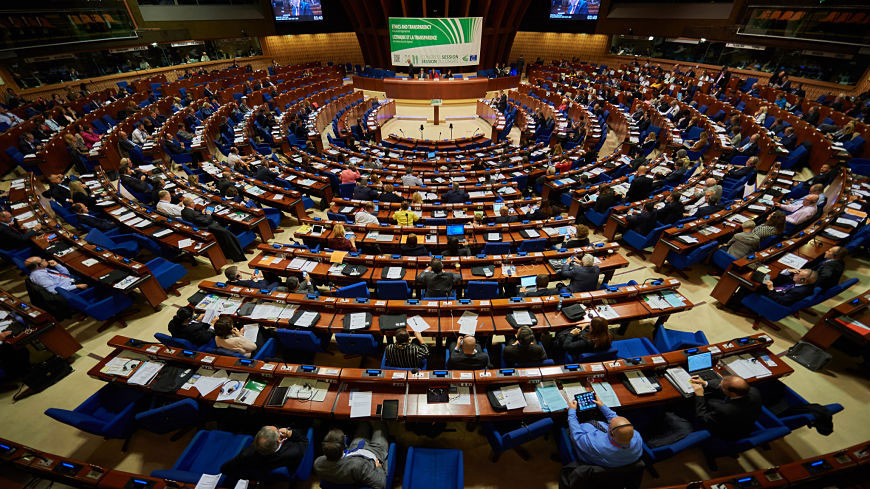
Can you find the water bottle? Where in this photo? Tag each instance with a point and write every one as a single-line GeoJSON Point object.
{"type": "Point", "coordinates": [559, 307]}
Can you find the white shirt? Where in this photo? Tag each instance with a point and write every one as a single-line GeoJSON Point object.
{"type": "Point", "coordinates": [233, 159]}
{"type": "Point", "coordinates": [169, 209]}
{"type": "Point", "coordinates": [411, 181]}
{"type": "Point", "coordinates": [140, 136]}
{"type": "Point", "coordinates": [10, 118]}
{"type": "Point", "coordinates": [362, 218]}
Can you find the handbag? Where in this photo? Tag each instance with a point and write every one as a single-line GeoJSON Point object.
{"type": "Point", "coordinates": [43, 375]}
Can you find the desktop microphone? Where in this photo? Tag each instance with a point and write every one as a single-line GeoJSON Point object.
{"type": "Point", "coordinates": [401, 131]}
{"type": "Point", "coordinates": [439, 134]}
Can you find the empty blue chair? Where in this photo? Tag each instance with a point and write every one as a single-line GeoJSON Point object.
{"type": "Point", "coordinates": [666, 340]}
{"type": "Point", "coordinates": [168, 274]}
{"type": "Point", "coordinates": [392, 289]}
{"type": "Point", "coordinates": [596, 218]}
{"type": "Point", "coordinates": [205, 454]}
{"type": "Point", "coordinates": [357, 344]}
{"type": "Point", "coordinates": [301, 340]}
{"type": "Point", "coordinates": [98, 303]}
{"type": "Point", "coordinates": [169, 417]}
{"type": "Point", "coordinates": [767, 429]}
{"type": "Point", "coordinates": [794, 157]}
{"type": "Point", "coordinates": [634, 347]}
{"type": "Point", "coordinates": [335, 217]}
{"type": "Point", "coordinates": [786, 405]}
{"type": "Point", "coordinates": [384, 366]}
{"type": "Point", "coordinates": [109, 412]}
{"type": "Point", "coordinates": [126, 248]}
{"type": "Point", "coordinates": [479, 290]}
{"type": "Point", "coordinates": [496, 249]}
{"type": "Point", "coordinates": [510, 435]}
{"type": "Point", "coordinates": [657, 454]}
{"type": "Point", "coordinates": [639, 242]}
{"type": "Point", "coordinates": [533, 245]}
{"type": "Point", "coordinates": [345, 190]}
{"type": "Point", "coordinates": [590, 357]}
{"type": "Point", "coordinates": [722, 259]}
{"type": "Point", "coordinates": [684, 261]}
{"type": "Point", "coordinates": [391, 464]}
{"type": "Point", "coordinates": [433, 468]}
{"type": "Point", "coordinates": [358, 290]}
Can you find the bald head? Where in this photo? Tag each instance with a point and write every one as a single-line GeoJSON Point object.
{"type": "Point", "coordinates": [468, 345]}
{"type": "Point", "coordinates": [642, 169]}
{"type": "Point", "coordinates": [621, 430]}
{"type": "Point", "coordinates": [734, 386]}
{"type": "Point", "coordinates": [811, 200]}
{"type": "Point", "coordinates": [5, 216]}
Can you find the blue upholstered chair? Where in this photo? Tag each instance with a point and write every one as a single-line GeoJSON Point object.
{"type": "Point", "coordinates": [169, 417]}
{"type": "Point", "coordinates": [301, 340]}
{"type": "Point", "coordinates": [358, 344]}
{"type": "Point", "coordinates": [205, 454]}
{"type": "Point", "coordinates": [666, 340]}
{"type": "Point", "coordinates": [683, 261]}
{"type": "Point", "coordinates": [496, 249]}
{"type": "Point", "coordinates": [504, 436]}
{"type": "Point", "coordinates": [479, 290]}
{"type": "Point", "coordinates": [109, 412]}
{"type": "Point", "coordinates": [174, 342]}
{"type": "Point", "coordinates": [99, 303]}
{"type": "Point", "coordinates": [167, 273]}
{"type": "Point", "coordinates": [590, 357]}
{"type": "Point", "coordinates": [779, 398]}
{"type": "Point", "coordinates": [433, 468]}
{"type": "Point", "coordinates": [358, 290]}
{"type": "Point", "coordinates": [634, 347]}
{"type": "Point", "coordinates": [392, 289]}
{"type": "Point", "coordinates": [533, 245]}
{"type": "Point", "coordinates": [767, 428]}
{"type": "Point", "coordinates": [722, 259]}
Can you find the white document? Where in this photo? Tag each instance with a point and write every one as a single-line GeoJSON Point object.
{"type": "Point", "coordinates": [418, 324]}
{"type": "Point", "coordinates": [606, 312]}
{"type": "Point", "coordinates": [462, 397]}
{"type": "Point", "coordinates": [523, 318]}
{"type": "Point", "coordinates": [394, 273]}
{"type": "Point", "coordinates": [791, 260]}
{"type": "Point", "coordinates": [357, 320]}
{"type": "Point", "coordinates": [604, 391]}
{"type": "Point", "coordinates": [145, 373]}
{"type": "Point", "coordinates": [467, 323]}
{"type": "Point", "coordinates": [513, 396]}
{"type": "Point", "coordinates": [639, 382]}
{"type": "Point", "coordinates": [250, 331]}
{"type": "Point", "coordinates": [207, 383]}
{"type": "Point", "coordinates": [360, 404]}
{"type": "Point", "coordinates": [572, 389]}
{"type": "Point", "coordinates": [306, 319]}
{"type": "Point", "coordinates": [232, 387]}
{"type": "Point", "coordinates": [242, 484]}
{"type": "Point", "coordinates": [208, 481]}
{"type": "Point", "coordinates": [90, 262]}
{"type": "Point", "coordinates": [184, 243]}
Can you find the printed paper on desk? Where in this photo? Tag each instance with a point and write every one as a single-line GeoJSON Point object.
{"type": "Point", "coordinates": [337, 257]}
{"type": "Point", "coordinates": [206, 383]}
{"type": "Point", "coordinates": [184, 243]}
{"type": "Point", "coordinates": [145, 373]}
{"type": "Point", "coordinates": [360, 404]}
{"type": "Point", "coordinates": [467, 323]}
{"type": "Point", "coordinates": [394, 273]}
{"type": "Point", "coordinates": [418, 324]}
{"type": "Point", "coordinates": [208, 481]}
{"type": "Point", "coordinates": [791, 260]}
{"type": "Point", "coordinates": [357, 320]}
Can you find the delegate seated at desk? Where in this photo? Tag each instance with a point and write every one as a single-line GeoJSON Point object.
{"type": "Point", "coordinates": [14, 361]}
{"type": "Point", "coordinates": [615, 445]}
{"type": "Point", "coordinates": [404, 353]}
{"type": "Point", "coordinates": [272, 448]}
{"type": "Point", "coordinates": [228, 337]}
{"type": "Point", "coordinates": [728, 408]}
{"type": "Point", "coordinates": [412, 247]}
{"type": "Point", "coordinates": [12, 236]}
{"type": "Point", "coordinates": [436, 281]}
{"type": "Point", "coordinates": [643, 222]}
{"type": "Point", "coordinates": [830, 267]}
{"type": "Point", "coordinates": [366, 215]}
{"type": "Point", "coordinates": [743, 243]}
{"type": "Point", "coordinates": [465, 354]}
{"type": "Point", "coordinates": [790, 289]}
{"type": "Point", "coordinates": [183, 326]}
{"type": "Point", "coordinates": [363, 462]}
{"type": "Point", "coordinates": [227, 241]}
{"type": "Point", "coordinates": [593, 337]}
{"type": "Point", "coordinates": [541, 289]}
{"type": "Point", "coordinates": [524, 350]}
{"type": "Point", "coordinates": [87, 218]}
{"type": "Point", "coordinates": [583, 278]}
{"type": "Point", "coordinates": [50, 275]}
{"type": "Point", "coordinates": [456, 195]}
{"type": "Point", "coordinates": [234, 277]}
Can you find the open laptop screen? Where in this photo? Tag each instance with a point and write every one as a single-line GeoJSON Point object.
{"type": "Point", "coordinates": [700, 361]}
{"type": "Point", "coordinates": [455, 230]}
{"type": "Point", "coordinates": [528, 281]}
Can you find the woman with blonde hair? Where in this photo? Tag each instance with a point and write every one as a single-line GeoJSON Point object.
{"type": "Point", "coordinates": [339, 241]}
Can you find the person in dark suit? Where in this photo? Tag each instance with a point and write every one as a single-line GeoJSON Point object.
{"type": "Point", "coordinates": [226, 240]}
{"type": "Point", "coordinates": [389, 194]}
{"type": "Point", "coordinates": [812, 116]}
{"type": "Point", "coordinates": [824, 177]}
{"type": "Point", "coordinates": [125, 144]}
{"type": "Point", "coordinates": [583, 273]}
{"type": "Point", "coordinates": [28, 145]}
{"type": "Point", "coordinates": [711, 205]}
{"type": "Point", "coordinates": [505, 216]}
{"type": "Point", "coordinates": [264, 173]}
{"type": "Point", "coordinates": [676, 176]}
{"type": "Point", "coordinates": [85, 217]}
{"type": "Point", "coordinates": [723, 78]}
{"type": "Point", "coordinates": [466, 355]}
{"type": "Point", "coordinates": [542, 288]}
{"type": "Point", "coordinates": [412, 247]}
{"type": "Point", "coordinates": [728, 408]}
{"type": "Point", "coordinates": [743, 171]}
{"type": "Point", "coordinates": [524, 349]}
{"type": "Point", "coordinates": [272, 448]}
{"type": "Point", "coordinates": [234, 277]}
{"type": "Point", "coordinates": [606, 199]}
{"type": "Point", "coordinates": [12, 237]}
{"type": "Point", "coordinates": [793, 287]}
{"type": "Point", "coordinates": [830, 268]}
{"type": "Point", "coordinates": [673, 210]}
{"type": "Point", "coordinates": [789, 139]}
{"type": "Point", "coordinates": [643, 222]}
{"type": "Point", "coordinates": [134, 181]}
{"type": "Point", "coordinates": [455, 195]}
{"type": "Point", "coordinates": [175, 147]}
{"type": "Point", "coordinates": [183, 326]}
{"type": "Point", "coordinates": [749, 148]}
{"type": "Point", "coordinates": [58, 188]}
{"type": "Point", "coordinates": [362, 191]}
{"type": "Point", "coordinates": [641, 186]}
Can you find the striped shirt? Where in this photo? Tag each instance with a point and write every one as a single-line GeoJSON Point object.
{"type": "Point", "coordinates": [410, 355]}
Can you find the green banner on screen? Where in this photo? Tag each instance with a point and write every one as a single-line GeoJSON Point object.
{"type": "Point", "coordinates": [435, 42]}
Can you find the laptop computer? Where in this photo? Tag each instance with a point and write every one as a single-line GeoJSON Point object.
{"type": "Point", "coordinates": [702, 366]}
{"type": "Point", "coordinates": [457, 230]}
{"type": "Point", "coordinates": [528, 281]}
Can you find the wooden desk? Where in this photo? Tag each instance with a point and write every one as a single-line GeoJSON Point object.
{"type": "Point", "coordinates": [41, 328]}
{"type": "Point", "coordinates": [836, 323]}
{"type": "Point", "coordinates": [453, 89]}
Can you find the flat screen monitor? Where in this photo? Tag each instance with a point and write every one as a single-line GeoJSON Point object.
{"type": "Point", "coordinates": [297, 10]}
{"type": "Point", "coordinates": [574, 9]}
{"type": "Point", "coordinates": [700, 361]}
{"type": "Point", "coordinates": [528, 281]}
{"type": "Point", "coordinates": [455, 230]}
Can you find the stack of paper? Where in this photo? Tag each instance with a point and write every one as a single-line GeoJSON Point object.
{"type": "Point", "coordinates": [251, 391]}
{"type": "Point", "coordinates": [467, 323]}
{"type": "Point", "coordinates": [673, 299]}
{"type": "Point", "coordinates": [360, 404]}
{"type": "Point", "coordinates": [418, 324]}
{"type": "Point", "coordinates": [607, 312]}
{"type": "Point", "coordinates": [357, 320]}
{"type": "Point", "coordinates": [523, 318]}
{"type": "Point", "coordinates": [512, 397]}
{"type": "Point", "coordinates": [145, 373]}
{"type": "Point", "coordinates": [791, 260]}
{"type": "Point", "coordinates": [639, 382]}
{"type": "Point", "coordinates": [120, 366]}
{"type": "Point", "coordinates": [604, 391]}
{"type": "Point", "coordinates": [394, 273]}
{"type": "Point", "coordinates": [550, 397]}
{"type": "Point", "coordinates": [205, 381]}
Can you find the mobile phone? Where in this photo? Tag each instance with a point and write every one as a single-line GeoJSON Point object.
{"type": "Point", "coordinates": [390, 409]}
